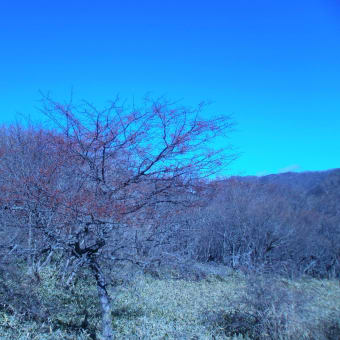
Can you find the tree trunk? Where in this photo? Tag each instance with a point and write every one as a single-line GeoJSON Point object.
{"type": "Point", "coordinates": [105, 303]}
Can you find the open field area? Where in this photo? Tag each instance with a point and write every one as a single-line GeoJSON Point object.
{"type": "Point", "coordinates": [145, 307]}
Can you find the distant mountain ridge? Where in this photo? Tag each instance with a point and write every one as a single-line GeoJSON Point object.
{"type": "Point", "coordinates": [309, 181]}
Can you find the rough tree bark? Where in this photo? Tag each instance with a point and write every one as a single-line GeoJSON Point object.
{"type": "Point", "coordinates": [104, 299]}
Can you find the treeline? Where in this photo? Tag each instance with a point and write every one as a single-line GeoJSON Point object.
{"type": "Point", "coordinates": [256, 225]}
{"type": "Point", "coordinates": [272, 227]}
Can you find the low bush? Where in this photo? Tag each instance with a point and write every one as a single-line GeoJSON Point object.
{"type": "Point", "coordinates": [271, 310]}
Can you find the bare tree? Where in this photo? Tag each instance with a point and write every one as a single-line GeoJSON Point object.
{"type": "Point", "coordinates": [83, 185]}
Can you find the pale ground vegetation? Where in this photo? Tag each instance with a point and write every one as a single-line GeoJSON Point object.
{"type": "Point", "coordinates": [145, 307]}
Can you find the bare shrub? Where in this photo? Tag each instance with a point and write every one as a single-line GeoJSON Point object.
{"type": "Point", "coordinates": [259, 227]}
{"type": "Point", "coordinates": [244, 226]}
{"type": "Point", "coordinates": [267, 310]}
{"type": "Point", "coordinates": [18, 295]}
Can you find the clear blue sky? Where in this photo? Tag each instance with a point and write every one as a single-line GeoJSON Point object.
{"type": "Point", "coordinates": [274, 65]}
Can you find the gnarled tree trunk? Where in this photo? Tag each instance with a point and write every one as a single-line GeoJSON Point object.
{"type": "Point", "coordinates": [105, 301]}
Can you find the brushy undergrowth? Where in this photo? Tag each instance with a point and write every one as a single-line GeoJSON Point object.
{"type": "Point", "coordinates": [232, 306]}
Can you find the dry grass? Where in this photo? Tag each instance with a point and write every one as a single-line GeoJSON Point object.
{"type": "Point", "coordinates": [150, 308]}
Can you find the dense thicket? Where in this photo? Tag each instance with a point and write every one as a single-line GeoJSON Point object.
{"type": "Point", "coordinates": [280, 227]}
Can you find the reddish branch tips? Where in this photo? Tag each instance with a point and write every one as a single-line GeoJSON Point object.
{"type": "Point", "coordinates": [113, 162]}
